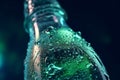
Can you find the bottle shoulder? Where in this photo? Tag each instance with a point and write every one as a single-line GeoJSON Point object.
{"type": "Point", "coordinates": [59, 36]}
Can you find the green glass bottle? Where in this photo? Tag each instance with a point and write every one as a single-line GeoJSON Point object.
{"type": "Point", "coordinates": [55, 51]}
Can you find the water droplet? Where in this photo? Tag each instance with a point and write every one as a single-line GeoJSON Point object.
{"type": "Point", "coordinates": [89, 65]}
{"type": "Point", "coordinates": [65, 51]}
{"type": "Point", "coordinates": [51, 49]}
{"type": "Point", "coordinates": [57, 42]}
{"type": "Point", "coordinates": [52, 69]}
{"type": "Point", "coordinates": [79, 58]}
{"type": "Point", "coordinates": [47, 32]}
{"type": "Point", "coordinates": [70, 54]}
{"type": "Point", "coordinates": [79, 33]}
{"type": "Point", "coordinates": [95, 69]}
{"type": "Point", "coordinates": [76, 36]}
{"type": "Point", "coordinates": [96, 77]}
{"type": "Point", "coordinates": [88, 44]}
{"type": "Point", "coordinates": [76, 52]}
{"type": "Point", "coordinates": [50, 44]}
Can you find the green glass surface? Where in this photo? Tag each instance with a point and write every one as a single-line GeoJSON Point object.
{"type": "Point", "coordinates": [55, 51]}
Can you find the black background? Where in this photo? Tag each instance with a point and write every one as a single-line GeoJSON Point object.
{"type": "Point", "coordinates": [98, 21]}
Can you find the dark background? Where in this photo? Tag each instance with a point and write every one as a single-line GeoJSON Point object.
{"type": "Point", "coordinates": [98, 22]}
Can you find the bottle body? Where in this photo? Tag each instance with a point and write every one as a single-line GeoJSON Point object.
{"type": "Point", "coordinates": [62, 55]}
{"type": "Point", "coordinates": [56, 52]}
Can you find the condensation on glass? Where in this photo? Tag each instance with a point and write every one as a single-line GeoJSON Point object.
{"type": "Point", "coordinates": [55, 51]}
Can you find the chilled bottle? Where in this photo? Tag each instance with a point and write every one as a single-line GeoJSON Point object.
{"type": "Point", "coordinates": [55, 51]}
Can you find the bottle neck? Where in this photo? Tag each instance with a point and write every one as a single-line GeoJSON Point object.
{"type": "Point", "coordinates": [41, 14]}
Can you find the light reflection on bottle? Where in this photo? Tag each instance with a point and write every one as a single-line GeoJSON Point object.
{"type": "Point", "coordinates": [55, 51]}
